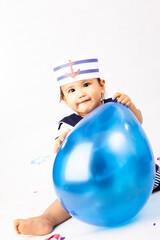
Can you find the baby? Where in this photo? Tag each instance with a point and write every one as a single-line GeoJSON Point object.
{"type": "Point", "coordinates": [83, 91]}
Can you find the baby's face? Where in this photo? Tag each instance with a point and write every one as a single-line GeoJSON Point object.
{"type": "Point", "coordinates": [83, 96]}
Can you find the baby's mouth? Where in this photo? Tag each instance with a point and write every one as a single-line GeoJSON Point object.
{"type": "Point", "coordinates": [85, 101]}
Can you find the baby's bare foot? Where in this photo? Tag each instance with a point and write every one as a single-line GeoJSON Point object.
{"type": "Point", "coordinates": [40, 225]}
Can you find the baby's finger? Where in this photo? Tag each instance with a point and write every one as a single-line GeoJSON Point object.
{"type": "Point", "coordinates": [63, 135]}
{"type": "Point", "coordinates": [57, 145]}
{"type": "Point", "coordinates": [67, 131]}
{"type": "Point", "coordinates": [121, 99]}
{"type": "Point", "coordinates": [128, 104]}
{"type": "Point", "coordinates": [60, 140]}
{"type": "Point", "coordinates": [126, 101]}
{"type": "Point", "coordinates": [116, 95]}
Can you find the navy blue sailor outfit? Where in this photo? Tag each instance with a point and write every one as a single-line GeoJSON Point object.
{"type": "Point", "coordinates": [73, 119]}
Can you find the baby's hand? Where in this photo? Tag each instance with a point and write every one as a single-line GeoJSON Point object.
{"type": "Point", "coordinates": [60, 140]}
{"type": "Point", "coordinates": [122, 98]}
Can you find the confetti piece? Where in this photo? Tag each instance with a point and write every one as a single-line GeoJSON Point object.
{"type": "Point", "coordinates": [158, 158]}
{"type": "Point", "coordinates": [62, 238]}
{"type": "Point", "coordinates": [35, 192]}
{"type": "Point", "coordinates": [154, 224]}
{"type": "Point", "coordinates": [39, 160]}
{"type": "Point", "coordinates": [49, 238]}
{"type": "Point", "coordinates": [55, 236]}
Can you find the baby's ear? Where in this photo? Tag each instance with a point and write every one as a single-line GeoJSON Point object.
{"type": "Point", "coordinates": [63, 98]}
{"type": "Point", "coordinates": [102, 83]}
{"type": "Point", "coordinates": [61, 95]}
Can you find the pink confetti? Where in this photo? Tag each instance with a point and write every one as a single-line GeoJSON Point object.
{"type": "Point", "coordinates": [158, 158]}
{"type": "Point", "coordinates": [55, 236]}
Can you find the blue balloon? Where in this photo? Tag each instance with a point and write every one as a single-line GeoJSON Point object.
{"type": "Point", "coordinates": [104, 170]}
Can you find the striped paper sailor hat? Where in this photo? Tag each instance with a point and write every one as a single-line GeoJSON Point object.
{"type": "Point", "coordinates": [77, 69]}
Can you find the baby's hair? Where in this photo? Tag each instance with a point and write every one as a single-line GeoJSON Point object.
{"type": "Point", "coordinates": [62, 95]}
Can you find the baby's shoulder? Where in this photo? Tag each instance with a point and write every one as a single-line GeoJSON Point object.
{"type": "Point", "coordinates": [71, 120]}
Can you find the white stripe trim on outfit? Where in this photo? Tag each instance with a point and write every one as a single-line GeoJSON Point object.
{"type": "Point", "coordinates": [157, 178]}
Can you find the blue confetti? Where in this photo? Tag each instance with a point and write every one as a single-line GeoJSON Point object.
{"type": "Point", "coordinates": [40, 160]}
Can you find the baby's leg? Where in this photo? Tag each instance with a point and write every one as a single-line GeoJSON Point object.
{"type": "Point", "coordinates": [43, 224]}
{"type": "Point", "coordinates": [33, 226]}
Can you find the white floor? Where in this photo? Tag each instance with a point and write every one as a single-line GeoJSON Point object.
{"type": "Point", "coordinates": [30, 190]}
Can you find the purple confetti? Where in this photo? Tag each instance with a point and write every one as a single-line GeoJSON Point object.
{"type": "Point", "coordinates": [154, 224]}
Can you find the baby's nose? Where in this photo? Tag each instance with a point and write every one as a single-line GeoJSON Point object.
{"type": "Point", "coordinates": [81, 93]}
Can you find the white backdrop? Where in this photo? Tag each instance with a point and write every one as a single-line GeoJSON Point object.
{"type": "Point", "coordinates": [34, 34]}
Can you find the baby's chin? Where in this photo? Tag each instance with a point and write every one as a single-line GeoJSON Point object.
{"type": "Point", "coordinates": [85, 113]}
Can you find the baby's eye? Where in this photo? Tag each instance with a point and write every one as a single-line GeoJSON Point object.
{"type": "Point", "coordinates": [86, 84]}
{"type": "Point", "coordinates": [71, 90]}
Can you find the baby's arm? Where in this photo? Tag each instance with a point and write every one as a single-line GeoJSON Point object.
{"type": "Point", "coordinates": [60, 139]}
{"type": "Point", "coordinates": [124, 99]}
